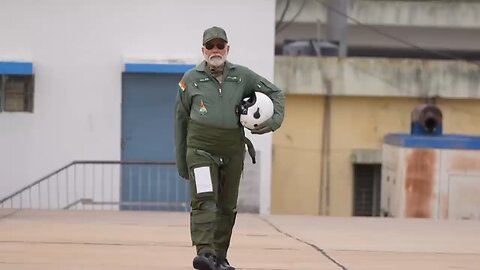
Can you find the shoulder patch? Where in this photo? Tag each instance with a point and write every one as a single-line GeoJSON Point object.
{"type": "Point", "coordinates": [182, 86]}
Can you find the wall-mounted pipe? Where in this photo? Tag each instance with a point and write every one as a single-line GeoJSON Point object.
{"type": "Point", "coordinates": [426, 119]}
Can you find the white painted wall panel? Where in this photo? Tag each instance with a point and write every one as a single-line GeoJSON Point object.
{"type": "Point", "coordinates": [78, 48]}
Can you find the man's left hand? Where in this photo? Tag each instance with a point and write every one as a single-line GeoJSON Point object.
{"type": "Point", "coordinates": [264, 127]}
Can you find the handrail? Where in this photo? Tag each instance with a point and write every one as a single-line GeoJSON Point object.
{"type": "Point", "coordinates": [83, 201]}
{"type": "Point", "coordinates": [130, 162]}
{"type": "Point", "coordinates": [35, 183]}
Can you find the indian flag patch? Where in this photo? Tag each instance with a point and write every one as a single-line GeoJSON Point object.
{"type": "Point", "coordinates": [182, 86]}
{"type": "Point", "coordinates": [203, 109]}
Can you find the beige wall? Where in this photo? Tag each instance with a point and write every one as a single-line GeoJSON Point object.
{"type": "Point", "coordinates": [461, 116]}
{"type": "Point", "coordinates": [297, 157]}
{"type": "Point", "coordinates": [357, 123]}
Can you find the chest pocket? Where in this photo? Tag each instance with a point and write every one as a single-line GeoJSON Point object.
{"type": "Point", "coordinates": [199, 83]}
{"type": "Point", "coordinates": [202, 80]}
{"type": "Point", "coordinates": [202, 85]}
{"type": "Point", "coordinates": [233, 79]}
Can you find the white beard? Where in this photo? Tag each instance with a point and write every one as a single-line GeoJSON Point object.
{"type": "Point", "coordinates": [215, 60]}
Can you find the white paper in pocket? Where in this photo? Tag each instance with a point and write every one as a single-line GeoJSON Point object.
{"type": "Point", "coordinates": [203, 180]}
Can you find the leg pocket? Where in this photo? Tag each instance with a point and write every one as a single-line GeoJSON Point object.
{"type": "Point", "coordinates": [203, 171]}
{"type": "Point", "coordinates": [203, 179]}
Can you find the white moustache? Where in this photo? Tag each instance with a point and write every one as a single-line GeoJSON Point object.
{"type": "Point", "coordinates": [215, 56]}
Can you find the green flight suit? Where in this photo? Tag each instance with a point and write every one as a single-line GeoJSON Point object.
{"type": "Point", "coordinates": [208, 135]}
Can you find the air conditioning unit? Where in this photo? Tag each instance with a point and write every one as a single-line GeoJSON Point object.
{"type": "Point", "coordinates": [427, 174]}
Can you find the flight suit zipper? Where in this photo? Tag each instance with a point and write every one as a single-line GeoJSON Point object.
{"type": "Point", "coordinates": [220, 95]}
{"type": "Point", "coordinates": [220, 85]}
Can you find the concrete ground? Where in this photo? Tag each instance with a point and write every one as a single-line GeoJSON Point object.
{"type": "Point", "coordinates": [94, 240]}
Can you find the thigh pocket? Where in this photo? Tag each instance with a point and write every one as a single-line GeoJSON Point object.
{"type": "Point", "coordinates": [203, 179]}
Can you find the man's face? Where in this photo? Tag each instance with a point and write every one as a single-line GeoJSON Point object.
{"type": "Point", "coordinates": [215, 52]}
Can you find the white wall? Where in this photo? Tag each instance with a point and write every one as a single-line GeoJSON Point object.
{"type": "Point", "coordinates": [78, 48]}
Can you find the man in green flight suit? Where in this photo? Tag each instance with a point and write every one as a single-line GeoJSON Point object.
{"type": "Point", "coordinates": [210, 143]}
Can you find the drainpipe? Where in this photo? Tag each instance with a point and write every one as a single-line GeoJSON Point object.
{"type": "Point", "coordinates": [324, 197]}
{"type": "Point", "coordinates": [336, 32]}
{"type": "Point", "coordinates": [326, 145]}
{"type": "Point", "coordinates": [337, 24]}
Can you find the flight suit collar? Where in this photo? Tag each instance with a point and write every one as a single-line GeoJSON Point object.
{"type": "Point", "coordinates": [202, 66]}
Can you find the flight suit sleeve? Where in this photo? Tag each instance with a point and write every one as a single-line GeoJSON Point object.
{"type": "Point", "coordinates": [259, 83]}
{"type": "Point", "coordinates": [182, 116]}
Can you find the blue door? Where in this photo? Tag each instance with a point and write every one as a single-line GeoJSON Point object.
{"type": "Point", "coordinates": [147, 138]}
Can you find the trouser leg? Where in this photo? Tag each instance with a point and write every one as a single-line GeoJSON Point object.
{"type": "Point", "coordinates": [228, 185]}
{"type": "Point", "coordinates": [204, 175]}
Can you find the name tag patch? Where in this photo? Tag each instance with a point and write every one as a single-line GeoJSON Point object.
{"type": "Point", "coordinates": [203, 181]}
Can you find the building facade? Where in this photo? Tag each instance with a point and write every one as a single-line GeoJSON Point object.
{"type": "Point", "coordinates": [92, 60]}
{"type": "Point", "coordinates": [327, 156]}
{"type": "Point", "coordinates": [82, 65]}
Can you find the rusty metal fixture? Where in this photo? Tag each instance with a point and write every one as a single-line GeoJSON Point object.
{"type": "Point", "coordinates": [420, 181]}
{"type": "Point", "coordinates": [427, 119]}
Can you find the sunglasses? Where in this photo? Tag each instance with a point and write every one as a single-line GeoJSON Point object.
{"type": "Point", "coordinates": [219, 46]}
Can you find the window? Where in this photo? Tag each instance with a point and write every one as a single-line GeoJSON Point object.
{"type": "Point", "coordinates": [367, 178]}
{"type": "Point", "coordinates": [16, 93]}
{"type": "Point", "coordinates": [16, 87]}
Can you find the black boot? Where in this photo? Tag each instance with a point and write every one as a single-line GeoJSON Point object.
{"type": "Point", "coordinates": [205, 262]}
{"type": "Point", "coordinates": [223, 264]}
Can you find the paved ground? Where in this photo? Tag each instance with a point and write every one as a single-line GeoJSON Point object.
{"type": "Point", "coordinates": [94, 240]}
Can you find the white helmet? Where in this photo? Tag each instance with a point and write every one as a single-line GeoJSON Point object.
{"type": "Point", "coordinates": [255, 110]}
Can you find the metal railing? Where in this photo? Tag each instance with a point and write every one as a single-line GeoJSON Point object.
{"type": "Point", "coordinates": [106, 185]}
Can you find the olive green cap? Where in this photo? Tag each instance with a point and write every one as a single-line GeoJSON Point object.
{"type": "Point", "coordinates": [213, 33]}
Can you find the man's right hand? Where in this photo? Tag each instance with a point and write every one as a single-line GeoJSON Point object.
{"type": "Point", "coordinates": [183, 174]}
{"type": "Point", "coordinates": [264, 127]}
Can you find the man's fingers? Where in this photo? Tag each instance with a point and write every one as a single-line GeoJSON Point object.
{"type": "Point", "coordinates": [255, 131]}
{"type": "Point", "coordinates": [260, 126]}
{"type": "Point", "coordinates": [261, 130]}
